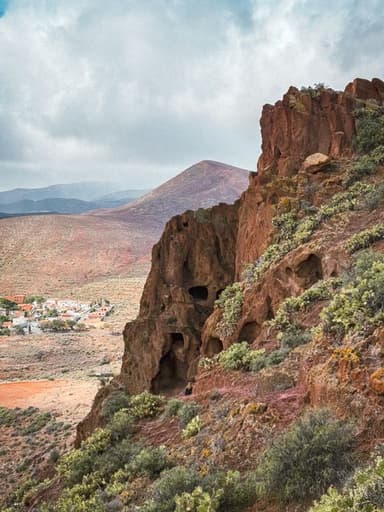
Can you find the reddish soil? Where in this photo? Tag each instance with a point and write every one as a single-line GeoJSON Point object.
{"type": "Point", "coordinates": [66, 399]}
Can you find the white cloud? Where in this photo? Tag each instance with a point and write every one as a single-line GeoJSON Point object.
{"type": "Point", "coordinates": [91, 89]}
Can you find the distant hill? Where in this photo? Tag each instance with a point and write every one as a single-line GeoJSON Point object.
{"type": "Point", "coordinates": [200, 186]}
{"type": "Point", "coordinates": [44, 253]}
{"type": "Point", "coordinates": [61, 205]}
{"type": "Point", "coordinates": [86, 191]}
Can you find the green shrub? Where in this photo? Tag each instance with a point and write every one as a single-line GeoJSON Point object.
{"type": "Point", "coordinates": [360, 168]}
{"type": "Point", "coordinates": [364, 494]}
{"type": "Point", "coordinates": [77, 463]}
{"type": "Point", "coordinates": [187, 412]}
{"type": "Point", "coordinates": [172, 482]}
{"type": "Point", "coordinates": [341, 202]}
{"type": "Point", "coordinates": [193, 428]}
{"type": "Point", "coordinates": [239, 356]}
{"type": "Point", "coordinates": [114, 402]}
{"type": "Point", "coordinates": [294, 336]}
{"type": "Point", "coordinates": [231, 302]}
{"type": "Point", "coordinates": [314, 91]}
{"type": "Point", "coordinates": [197, 501]}
{"type": "Point", "coordinates": [37, 423]}
{"type": "Point", "coordinates": [150, 462]}
{"type": "Point", "coordinates": [121, 425]}
{"type": "Point", "coordinates": [145, 405]}
{"type": "Point", "coordinates": [236, 492]}
{"type": "Point", "coordinates": [173, 407]}
{"type": "Point", "coordinates": [375, 198]}
{"type": "Point", "coordinates": [369, 130]}
{"type": "Point", "coordinates": [359, 305]}
{"type": "Point", "coordinates": [313, 454]}
{"type": "Point", "coordinates": [7, 416]}
{"type": "Point", "coordinates": [365, 238]}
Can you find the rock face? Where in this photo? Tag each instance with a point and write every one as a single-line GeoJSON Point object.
{"type": "Point", "coordinates": [202, 252]}
{"type": "Point", "coordinates": [191, 264]}
{"type": "Point", "coordinates": [296, 127]}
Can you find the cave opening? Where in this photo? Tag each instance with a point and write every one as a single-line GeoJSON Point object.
{"type": "Point", "coordinates": [214, 347]}
{"type": "Point", "coordinates": [249, 332]}
{"type": "Point", "coordinates": [310, 270]}
{"type": "Point", "coordinates": [173, 369]}
{"type": "Point", "coordinates": [198, 292]}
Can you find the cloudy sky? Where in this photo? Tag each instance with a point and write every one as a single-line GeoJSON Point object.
{"type": "Point", "coordinates": [137, 90]}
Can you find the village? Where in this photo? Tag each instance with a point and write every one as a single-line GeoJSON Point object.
{"type": "Point", "coordinates": [22, 314]}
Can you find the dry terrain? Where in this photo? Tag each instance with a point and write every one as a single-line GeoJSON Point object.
{"type": "Point", "coordinates": [43, 254]}
{"type": "Point", "coordinates": [49, 381]}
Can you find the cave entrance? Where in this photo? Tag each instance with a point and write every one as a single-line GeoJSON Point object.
{"type": "Point", "coordinates": [198, 292]}
{"type": "Point", "coordinates": [214, 346]}
{"type": "Point", "coordinates": [173, 369]}
{"type": "Point", "coordinates": [310, 270]}
{"type": "Point", "coordinates": [249, 332]}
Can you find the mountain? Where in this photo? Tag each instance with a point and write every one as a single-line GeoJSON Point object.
{"type": "Point", "coordinates": [200, 186]}
{"type": "Point", "coordinates": [44, 253]}
{"type": "Point", "coordinates": [63, 205]}
{"type": "Point", "coordinates": [86, 191]}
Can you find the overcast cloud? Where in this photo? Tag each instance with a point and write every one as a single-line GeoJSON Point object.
{"type": "Point", "coordinates": [137, 90]}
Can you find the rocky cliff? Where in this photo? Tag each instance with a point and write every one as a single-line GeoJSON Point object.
{"type": "Point", "coordinates": [307, 144]}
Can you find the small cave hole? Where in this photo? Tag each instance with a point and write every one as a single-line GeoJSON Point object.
{"type": "Point", "coordinates": [310, 270]}
{"type": "Point", "coordinates": [270, 313]}
{"type": "Point", "coordinates": [185, 224]}
{"type": "Point", "coordinates": [214, 346]}
{"type": "Point", "coordinates": [199, 292]}
{"type": "Point", "coordinates": [177, 339]}
{"type": "Point", "coordinates": [249, 332]}
{"type": "Point", "coordinates": [219, 292]}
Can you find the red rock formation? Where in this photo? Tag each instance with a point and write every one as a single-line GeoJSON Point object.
{"type": "Point", "coordinates": [200, 253]}
{"type": "Point", "coordinates": [295, 127]}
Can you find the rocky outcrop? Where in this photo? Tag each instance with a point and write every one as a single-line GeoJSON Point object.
{"type": "Point", "coordinates": [191, 264]}
{"type": "Point", "coordinates": [299, 125]}
{"type": "Point", "coordinates": [305, 138]}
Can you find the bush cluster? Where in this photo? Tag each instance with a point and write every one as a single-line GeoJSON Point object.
{"type": "Point", "coordinates": [359, 305]}
{"type": "Point", "coordinates": [365, 238]}
{"type": "Point", "coordinates": [185, 489]}
{"type": "Point", "coordinates": [231, 302]}
{"type": "Point", "coordinates": [364, 494]}
{"type": "Point", "coordinates": [239, 356]}
{"type": "Point", "coordinates": [311, 455]}
{"type": "Point", "coordinates": [370, 129]}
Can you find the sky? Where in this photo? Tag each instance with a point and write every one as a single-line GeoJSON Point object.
{"type": "Point", "coordinates": [135, 91]}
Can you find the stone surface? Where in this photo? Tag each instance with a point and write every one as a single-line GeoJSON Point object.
{"type": "Point", "coordinates": [315, 162]}
{"type": "Point", "coordinates": [376, 381]}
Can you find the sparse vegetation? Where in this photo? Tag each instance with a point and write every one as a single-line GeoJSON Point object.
{"type": "Point", "coordinates": [365, 238]}
{"type": "Point", "coordinates": [230, 301]}
{"type": "Point", "coordinates": [359, 305]}
{"type": "Point", "coordinates": [240, 356]}
{"type": "Point", "coordinates": [311, 455]}
{"type": "Point", "coordinates": [192, 428]}
{"type": "Point", "coordinates": [364, 494]}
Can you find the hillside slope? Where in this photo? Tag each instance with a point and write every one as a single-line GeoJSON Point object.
{"type": "Point", "coordinates": [51, 252]}
{"type": "Point", "coordinates": [200, 186]}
